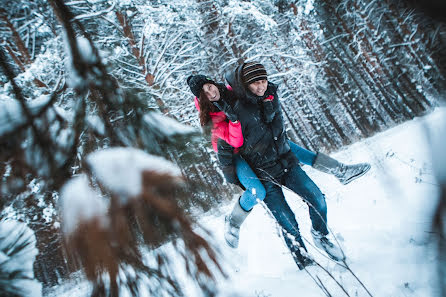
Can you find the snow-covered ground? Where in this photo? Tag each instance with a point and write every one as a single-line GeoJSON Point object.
{"type": "Point", "coordinates": [381, 220]}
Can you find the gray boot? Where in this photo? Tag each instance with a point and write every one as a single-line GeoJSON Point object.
{"type": "Point", "coordinates": [344, 173]}
{"type": "Point", "coordinates": [233, 222]}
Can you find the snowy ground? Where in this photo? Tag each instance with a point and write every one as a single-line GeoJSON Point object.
{"type": "Point", "coordinates": [382, 221]}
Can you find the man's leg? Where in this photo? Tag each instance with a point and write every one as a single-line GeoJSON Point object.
{"type": "Point", "coordinates": [299, 182]}
{"type": "Point", "coordinates": [276, 203]}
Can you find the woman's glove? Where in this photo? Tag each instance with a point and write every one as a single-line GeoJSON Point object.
{"type": "Point", "coordinates": [227, 109]}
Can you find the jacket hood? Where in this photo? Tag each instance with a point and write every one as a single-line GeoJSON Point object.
{"type": "Point", "coordinates": [235, 80]}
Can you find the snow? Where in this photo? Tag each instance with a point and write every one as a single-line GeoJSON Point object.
{"type": "Point", "coordinates": [152, 28]}
{"type": "Point", "coordinates": [381, 220]}
{"type": "Point", "coordinates": [96, 124]}
{"type": "Point", "coordinates": [309, 7]}
{"type": "Point", "coordinates": [85, 50]}
{"type": "Point", "coordinates": [120, 169]}
{"type": "Point", "coordinates": [166, 126]}
{"type": "Point", "coordinates": [17, 253]}
{"type": "Point", "coordinates": [12, 115]}
{"type": "Point", "coordinates": [76, 79]}
{"type": "Point", "coordinates": [246, 10]}
{"type": "Point", "coordinates": [437, 141]}
{"type": "Point", "coordinates": [79, 202]}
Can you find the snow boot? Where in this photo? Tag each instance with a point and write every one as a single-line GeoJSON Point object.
{"type": "Point", "coordinates": [233, 222]}
{"type": "Point", "coordinates": [344, 173]}
{"type": "Point", "coordinates": [298, 250]}
{"type": "Point", "coordinates": [321, 241]}
{"type": "Point", "coordinates": [302, 260]}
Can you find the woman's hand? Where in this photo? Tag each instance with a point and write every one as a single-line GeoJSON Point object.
{"type": "Point", "coordinates": [227, 109]}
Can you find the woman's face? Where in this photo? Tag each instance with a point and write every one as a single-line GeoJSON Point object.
{"type": "Point", "coordinates": [211, 91]}
{"type": "Point", "coordinates": [258, 87]}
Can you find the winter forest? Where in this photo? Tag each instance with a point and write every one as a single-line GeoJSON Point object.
{"type": "Point", "coordinates": [103, 160]}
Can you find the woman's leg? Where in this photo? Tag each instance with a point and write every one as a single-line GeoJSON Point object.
{"type": "Point", "coordinates": [243, 205]}
{"type": "Point", "coordinates": [319, 161]}
{"type": "Point", "coordinates": [254, 188]}
{"type": "Point", "coordinates": [305, 156]}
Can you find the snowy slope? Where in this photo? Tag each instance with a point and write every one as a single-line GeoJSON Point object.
{"type": "Point", "coordinates": [382, 221]}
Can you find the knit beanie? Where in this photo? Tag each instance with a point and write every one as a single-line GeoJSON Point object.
{"type": "Point", "coordinates": [196, 83]}
{"type": "Point", "coordinates": [252, 72]}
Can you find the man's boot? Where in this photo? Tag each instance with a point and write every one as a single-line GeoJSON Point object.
{"type": "Point", "coordinates": [298, 250]}
{"type": "Point", "coordinates": [233, 221]}
{"type": "Point", "coordinates": [301, 257]}
{"type": "Point", "coordinates": [321, 241]}
{"type": "Point", "coordinates": [344, 173]}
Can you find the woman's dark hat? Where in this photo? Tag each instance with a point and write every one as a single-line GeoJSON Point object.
{"type": "Point", "coordinates": [196, 83]}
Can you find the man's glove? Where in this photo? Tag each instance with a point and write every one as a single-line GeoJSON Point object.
{"type": "Point", "coordinates": [231, 176]}
{"type": "Point", "coordinates": [227, 109]}
{"type": "Point", "coordinates": [268, 109]}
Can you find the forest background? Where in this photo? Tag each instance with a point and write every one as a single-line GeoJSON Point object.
{"type": "Point", "coordinates": [88, 75]}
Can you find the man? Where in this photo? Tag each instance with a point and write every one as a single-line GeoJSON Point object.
{"type": "Point", "coordinates": [267, 150]}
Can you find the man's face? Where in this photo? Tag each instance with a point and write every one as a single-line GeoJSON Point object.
{"type": "Point", "coordinates": [211, 91]}
{"type": "Point", "coordinates": [258, 87]}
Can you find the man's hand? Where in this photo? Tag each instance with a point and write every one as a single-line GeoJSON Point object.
{"type": "Point", "coordinates": [268, 109]}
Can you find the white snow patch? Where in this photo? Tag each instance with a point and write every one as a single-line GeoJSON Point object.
{"type": "Point", "coordinates": [309, 7]}
{"type": "Point", "coordinates": [79, 203]}
{"type": "Point", "coordinates": [167, 126]}
{"type": "Point", "coordinates": [152, 28]}
{"type": "Point", "coordinates": [10, 232]}
{"type": "Point", "coordinates": [96, 123]}
{"type": "Point", "coordinates": [76, 80]}
{"type": "Point", "coordinates": [436, 132]}
{"type": "Point", "coordinates": [85, 50]}
{"type": "Point", "coordinates": [120, 169]}
{"type": "Point", "coordinates": [12, 114]}
{"type": "Point", "coordinates": [19, 264]}
{"type": "Point", "coordinates": [247, 10]}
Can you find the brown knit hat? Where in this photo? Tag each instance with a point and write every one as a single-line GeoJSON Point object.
{"type": "Point", "coordinates": [252, 72]}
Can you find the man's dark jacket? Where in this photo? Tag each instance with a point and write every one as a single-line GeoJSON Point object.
{"type": "Point", "coordinates": [265, 145]}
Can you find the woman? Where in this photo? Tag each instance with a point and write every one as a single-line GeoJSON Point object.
{"type": "Point", "coordinates": [215, 104]}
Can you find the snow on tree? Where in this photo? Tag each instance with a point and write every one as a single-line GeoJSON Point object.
{"type": "Point", "coordinates": [129, 199]}
{"type": "Point", "coordinates": [17, 254]}
{"type": "Point", "coordinates": [112, 70]}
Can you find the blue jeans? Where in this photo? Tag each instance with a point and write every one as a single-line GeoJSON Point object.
{"type": "Point", "coordinates": [305, 156]}
{"type": "Point", "coordinates": [296, 180]}
{"type": "Point", "coordinates": [300, 183]}
{"type": "Point", "coordinates": [254, 188]}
